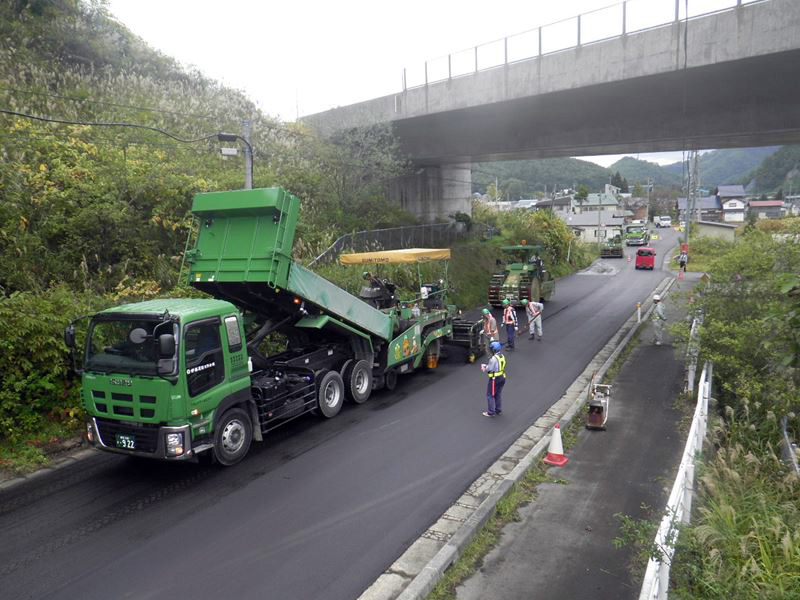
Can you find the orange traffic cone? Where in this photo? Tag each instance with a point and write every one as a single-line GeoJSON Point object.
{"type": "Point", "coordinates": [555, 451]}
{"type": "Point", "coordinates": [681, 276]}
{"type": "Point", "coordinates": [629, 258]}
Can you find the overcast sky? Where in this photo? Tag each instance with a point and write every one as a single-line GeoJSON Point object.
{"type": "Point", "coordinates": [303, 57]}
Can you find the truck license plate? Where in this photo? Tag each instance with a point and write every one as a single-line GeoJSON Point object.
{"type": "Point", "coordinates": [126, 441]}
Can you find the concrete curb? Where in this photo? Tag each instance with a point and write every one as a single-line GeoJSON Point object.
{"type": "Point", "coordinates": [392, 583]}
{"type": "Point", "coordinates": [60, 463]}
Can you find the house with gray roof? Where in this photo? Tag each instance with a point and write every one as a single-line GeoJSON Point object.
{"type": "Point", "coordinates": [595, 226]}
{"type": "Point", "coordinates": [707, 208]}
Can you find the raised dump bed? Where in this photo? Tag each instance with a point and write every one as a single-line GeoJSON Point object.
{"type": "Point", "coordinates": [243, 254]}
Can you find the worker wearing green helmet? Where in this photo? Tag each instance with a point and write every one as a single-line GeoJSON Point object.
{"type": "Point", "coordinates": [533, 310]}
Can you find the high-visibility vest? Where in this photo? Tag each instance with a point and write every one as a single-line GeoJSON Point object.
{"type": "Point", "coordinates": [502, 366]}
{"type": "Point", "coordinates": [509, 316]}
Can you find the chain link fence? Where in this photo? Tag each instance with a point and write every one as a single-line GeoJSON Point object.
{"type": "Point", "coordinates": [434, 235]}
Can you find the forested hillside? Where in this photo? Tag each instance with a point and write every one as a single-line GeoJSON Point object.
{"type": "Point", "coordinates": [731, 165]}
{"type": "Point", "coordinates": [524, 178]}
{"type": "Point", "coordinates": [780, 170]}
{"type": "Point", "coordinates": [639, 171]}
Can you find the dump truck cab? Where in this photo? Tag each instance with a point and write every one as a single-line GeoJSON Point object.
{"type": "Point", "coordinates": [156, 373]}
{"type": "Point", "coordinates": [636, 234]}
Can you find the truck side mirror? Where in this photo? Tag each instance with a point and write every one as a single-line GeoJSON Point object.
{"type": "Point", "coordinates": [69, 336]}
{"type": "Point", "coordinates": [166, 345]}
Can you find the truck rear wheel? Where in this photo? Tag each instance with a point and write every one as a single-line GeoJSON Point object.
{"type": "Point", "coordinates": [390, 379]}
{"type": "Point", "coordinates": [330, 394]}
{"type": "Point", "coordinates": [358, 381]}
{"type": "Point", "coordinates": [232, 437]}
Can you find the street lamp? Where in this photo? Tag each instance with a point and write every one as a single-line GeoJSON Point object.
{"type": "Point", "coordinates": [248, 167]}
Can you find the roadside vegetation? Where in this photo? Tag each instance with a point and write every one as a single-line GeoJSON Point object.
{"type": "Point", "coordinates": [744, 538]}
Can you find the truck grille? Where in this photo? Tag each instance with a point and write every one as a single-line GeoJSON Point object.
{"type": "Point", "coordinates": [146, 436]}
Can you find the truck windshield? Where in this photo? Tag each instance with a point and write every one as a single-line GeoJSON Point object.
{"type": "Point", "coordinates": [636, 229]}
{"type": "Point", "coordinates": [125, 345]}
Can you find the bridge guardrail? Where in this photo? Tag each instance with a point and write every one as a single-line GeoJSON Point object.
{"type": "Point", "coordinates": [602, 24]}
{"type": "Point", "coordinates": [679, 505]}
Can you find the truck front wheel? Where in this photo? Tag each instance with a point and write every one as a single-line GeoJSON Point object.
{"type": "Point", "coordinates": [330, 394]}
{"type": "Point", "coordinates": [358, 381]}
{"type": "Point", "coordinates": [233, 436]}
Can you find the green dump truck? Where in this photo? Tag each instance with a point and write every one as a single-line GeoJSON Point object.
{"type": "Point", "coordinates": [523, 277]}
{"type": "Point", "coordinates": [612, 248]}
{"type": "Point", "coordinates": [181, 379]}
{"type": "Point", "coordinates": [636, 234]}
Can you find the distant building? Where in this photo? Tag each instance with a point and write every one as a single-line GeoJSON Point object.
{"type": "Point", "coordinates": [707, 208]}
{"type": "Point", "coordinates": [733, 210]}
{"type": "Point", "coordinates": [725, 192]}
{"type": "Point", "coordinates": [734, 204]}
{"type": "Point", "coordinates": [767, 209]}
{"type": "Point", "coordinates": [595, 202]}
{"type": "Point", "coordinates": [562, 204]}
{"type": "Point", "coordinates": [725, 231]}
{"type": "Point", "coordinates": [596, 226]}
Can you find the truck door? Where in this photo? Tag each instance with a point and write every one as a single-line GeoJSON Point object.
{"type": "Point", "coordinates": [205, 366]}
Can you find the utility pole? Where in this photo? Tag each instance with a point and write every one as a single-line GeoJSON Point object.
{"type": "Point", "coordinates": [691, 193]}
{"type": "Point", "coordinates": [248, 155]}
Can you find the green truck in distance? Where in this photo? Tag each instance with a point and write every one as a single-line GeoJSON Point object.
{"type": "Point", "coordinates": [612, 248]}
{"type": "Point", "coordinates": [636, 234]}
{"type": "Point", "coordinates": [179, 379]}
{"type": "Point", "coordinates": [523, 278]}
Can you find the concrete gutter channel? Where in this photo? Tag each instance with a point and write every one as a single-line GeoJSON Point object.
{"type": "Point", "coordinates": [415, 573]}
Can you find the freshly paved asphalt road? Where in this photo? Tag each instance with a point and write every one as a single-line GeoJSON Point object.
{"type": "Point", "coordinates": [323, 507]}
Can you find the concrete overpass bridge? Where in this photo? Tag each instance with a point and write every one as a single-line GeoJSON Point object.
{"type": "Point", "coordinates": [730, 78]}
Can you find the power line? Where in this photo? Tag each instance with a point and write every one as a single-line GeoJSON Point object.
{"type": "Point", "coordinates": [91, 124]}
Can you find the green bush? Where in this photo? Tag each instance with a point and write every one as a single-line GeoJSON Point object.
{"type": "Point", "coordinates": [35, 381]}
{"type": "Point", "coordinates": [743, 541]}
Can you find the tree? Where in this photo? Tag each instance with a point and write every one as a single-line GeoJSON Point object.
{"type": "Point", "coordinates": [513, 188]}
{"type": "Point", "coordinates": [638, 191]}
{"type": "Point", "coordinates": [779, 194]}
{"type": "Point", "coordinates": [582, 194]}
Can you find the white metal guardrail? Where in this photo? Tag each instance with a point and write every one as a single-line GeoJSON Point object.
{"type": "Point", "coordinates": [617, 20]}
{"type": "Point", "coordinates": [679, 506]}
{"type": "Point", "coordinates": [692, 352]}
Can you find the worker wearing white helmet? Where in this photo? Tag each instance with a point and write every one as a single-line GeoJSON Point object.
{"type": "Point", "coordinates": [658, 317]}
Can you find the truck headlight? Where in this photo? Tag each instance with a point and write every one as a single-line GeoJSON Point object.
{"type": "Point", "coordinates": [90, 432]}
{"type": "Point", "coordinates": [174, 444]}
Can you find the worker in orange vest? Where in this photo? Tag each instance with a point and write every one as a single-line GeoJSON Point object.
{"type": "Point", "coordinates": [510, 321]}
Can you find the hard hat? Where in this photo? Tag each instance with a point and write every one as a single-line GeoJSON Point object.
{"type": "Point", "coordinates": [486, 311]}
{"type": "Point", "coordinates": [524, 302]}
{"type": "Point", "coordinates": [506, 302]}
{"type": "Point", "coordinates": [656, 298]}
{"type": "Point", "coordinates": [495, 346]}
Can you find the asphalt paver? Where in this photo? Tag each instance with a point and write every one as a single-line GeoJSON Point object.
{"type": "Point", "coordinates": [563, 545]}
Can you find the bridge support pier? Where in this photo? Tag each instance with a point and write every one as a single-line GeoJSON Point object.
{"type": "Point", "coordinates": [435, 192]}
